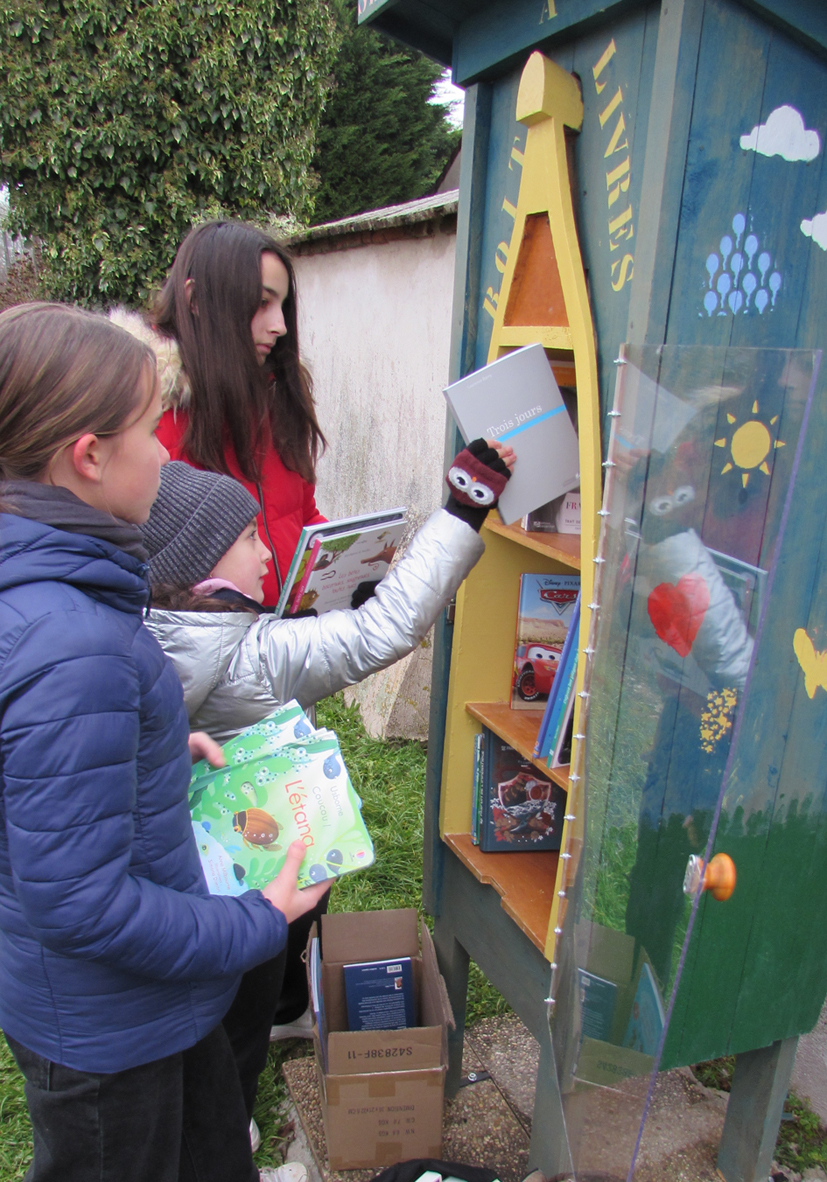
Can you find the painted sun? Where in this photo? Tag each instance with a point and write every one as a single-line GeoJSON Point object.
{"type": "Point", "coordinates": [750, 445]}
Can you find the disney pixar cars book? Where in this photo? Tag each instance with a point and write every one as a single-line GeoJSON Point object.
{"type": "Point", "coordinates": [521, 808]}
{"type": "Point", "coordinates": [284, 780]}
{"type": "Point", "coordinates": [545, 611]}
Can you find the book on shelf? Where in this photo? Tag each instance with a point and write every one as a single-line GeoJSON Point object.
{"type": "Point", "coordinates": [317, 996]}
{"type": "Point", "coordinates": [476, 795]}
{"type": "Point", "coordinates": [284, 780]}
{"type": "Point", "coordinates": [380, 994]}
{"type": "Point", "coordinates": [544, 612]}
{"type": "Point", "coordinates": [563, 684]}
{"type": "Point", "coordinates": [333, 557]}
{"type": "Point", "coordinates": [516, 400]}
{"type": "Point", "coordinates": [560, 516]}
{"type": "Point", "coordinates": [522, 809]}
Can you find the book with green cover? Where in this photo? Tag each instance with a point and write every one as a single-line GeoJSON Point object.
{"type": "Point", "coordinates": [284, 781]}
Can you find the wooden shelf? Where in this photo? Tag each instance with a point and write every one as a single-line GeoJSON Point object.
{"type": "Point", "coordinates": [564, 548]}
{"type": "Point", "coordinates": [519, 729]}
{"type": "Point", "coordinates": [524, 880]}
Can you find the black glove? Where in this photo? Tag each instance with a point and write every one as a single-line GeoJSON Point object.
{"type": "Point", "coordinates": [476, 478]}
{"type": "Point", "coordinates": [364, 592]}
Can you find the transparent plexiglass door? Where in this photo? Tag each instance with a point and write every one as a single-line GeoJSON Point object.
{"type": "Point", "coordinates": [702, 460]}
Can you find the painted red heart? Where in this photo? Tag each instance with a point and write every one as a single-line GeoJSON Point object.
{"type": "Point", "coordinates": [677, 611]}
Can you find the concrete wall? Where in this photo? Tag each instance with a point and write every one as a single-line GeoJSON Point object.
{"type": "Point", "coordinates": [374, 328]}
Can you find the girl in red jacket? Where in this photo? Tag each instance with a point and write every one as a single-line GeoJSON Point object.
{"type": "Point", "coordinates": [238, 399]}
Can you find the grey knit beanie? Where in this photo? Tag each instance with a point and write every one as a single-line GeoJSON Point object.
{"type": "Point", "coordinates": [196, 518]}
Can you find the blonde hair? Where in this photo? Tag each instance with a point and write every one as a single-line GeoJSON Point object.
{"type": "Point", "coordinates": [63, 372]}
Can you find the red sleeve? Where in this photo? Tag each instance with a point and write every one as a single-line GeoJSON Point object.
{"type": "Point", "coordinates": [311, 513]}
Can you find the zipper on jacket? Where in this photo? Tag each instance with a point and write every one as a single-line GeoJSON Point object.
{"type": "Point", "coordinates": [267, 532]}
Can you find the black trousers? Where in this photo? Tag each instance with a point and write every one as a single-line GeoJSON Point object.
{"type": "Point", "coordinates": [177, 1119]}
{"type": "Point", "coordinates": [273, 992]}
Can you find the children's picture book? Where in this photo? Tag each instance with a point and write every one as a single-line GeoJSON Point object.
{"type": "Point", "coordinates": [544, 519]}
{"type": "Point", "coordinates": [598, 999]}
{"type": "Point", "coordinates": [333, 557]}
{"type": "Point", "coordinates": [544, 613]}
{"type": "Point", "coordinates": [521, 808]}
{"type": "Point", "coordinates": [284, 780]}
{"type": "Point", "coordinates": [562, 686]}
{"type": "Point", "coordinates": [317, 997]}
{"type": "Point", "coordinates": [647, 1018]}
{"type": "Point", "coordinates": [380, 994]}
{"type": "Point", "coordinates": [516, 400]}
{"type": "Point", "coordinates": [560, 516]}
{"type": "Point", "coordinates": [568, 515]}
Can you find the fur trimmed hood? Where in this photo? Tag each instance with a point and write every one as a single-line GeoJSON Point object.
{"type": "Point", "coordinates": [175, 386]}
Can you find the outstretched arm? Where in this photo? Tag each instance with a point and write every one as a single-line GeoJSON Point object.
{"type": "Point", "coordinates": [310, 658]}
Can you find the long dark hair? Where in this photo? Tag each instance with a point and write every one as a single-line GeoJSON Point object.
{"type": "Point", "coordinates": [232, 394]}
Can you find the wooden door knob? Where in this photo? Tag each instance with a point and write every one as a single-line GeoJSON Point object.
{"type": "Point", "coordinates": [718, 877]}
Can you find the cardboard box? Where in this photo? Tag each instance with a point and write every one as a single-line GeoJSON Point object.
{"type": "Point", "coordinates": [383, 1091]}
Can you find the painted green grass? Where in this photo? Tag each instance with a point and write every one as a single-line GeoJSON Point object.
{"type": "Point", "coordinates": [390, 779]}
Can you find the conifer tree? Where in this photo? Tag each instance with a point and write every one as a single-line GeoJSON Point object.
{"type": "Point", "coordinates": [380, 141]}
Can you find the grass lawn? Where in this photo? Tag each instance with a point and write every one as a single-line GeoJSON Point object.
{"type": "Point", "coordinates": [390, 779]}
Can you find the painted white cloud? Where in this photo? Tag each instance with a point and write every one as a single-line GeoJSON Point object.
{"type": "Point", "coordinates": [816, 228]}
{"type": "Point", "coordinates": [784, 134]}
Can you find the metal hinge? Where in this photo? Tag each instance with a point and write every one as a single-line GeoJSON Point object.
{"type": "Point", "coordinates": [451, 611]}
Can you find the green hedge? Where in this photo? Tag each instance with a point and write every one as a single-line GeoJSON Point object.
{"type": "Point", "coordinates": [122, 124]}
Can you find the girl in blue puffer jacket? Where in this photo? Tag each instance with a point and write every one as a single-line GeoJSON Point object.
{"type": "Point", "coordinates": [116, 965]}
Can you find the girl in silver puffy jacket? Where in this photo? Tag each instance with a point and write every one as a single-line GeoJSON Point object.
{"type": "Point", "coordinates": [238, 662]}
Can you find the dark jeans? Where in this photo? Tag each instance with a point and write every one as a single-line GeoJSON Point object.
{"type": "Point", "coordinates": [273, 992]}
{"type": "Point", "coordinates": [177, 1119]}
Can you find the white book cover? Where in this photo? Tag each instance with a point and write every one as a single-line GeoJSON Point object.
{"type": "Point", "coordinates": [517, 401]}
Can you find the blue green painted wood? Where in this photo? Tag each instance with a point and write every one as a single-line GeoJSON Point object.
{"type": "Point", "coordinates": [723, 181]}
{"type": "Point", "coordinates": [500, 33]}
{"type": "Point", "coordinates": [710, 71]}
{"type": "Point", "coordinates": [756, 1102]}
{"type": "Point", "coordinates": [483, 41]}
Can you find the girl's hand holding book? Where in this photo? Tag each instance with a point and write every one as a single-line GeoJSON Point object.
{"type": "Point", "coordinates": [283, 891]}
{"type": "Point", "coordinates": [203, 747]}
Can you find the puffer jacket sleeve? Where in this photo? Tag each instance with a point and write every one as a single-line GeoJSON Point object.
{"type": "Point", "coordinates": [311, 512]}
{"type": "Point", "coordinates": [75, 792]}
{"type": "Point", "coordinates": [308, 659]}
